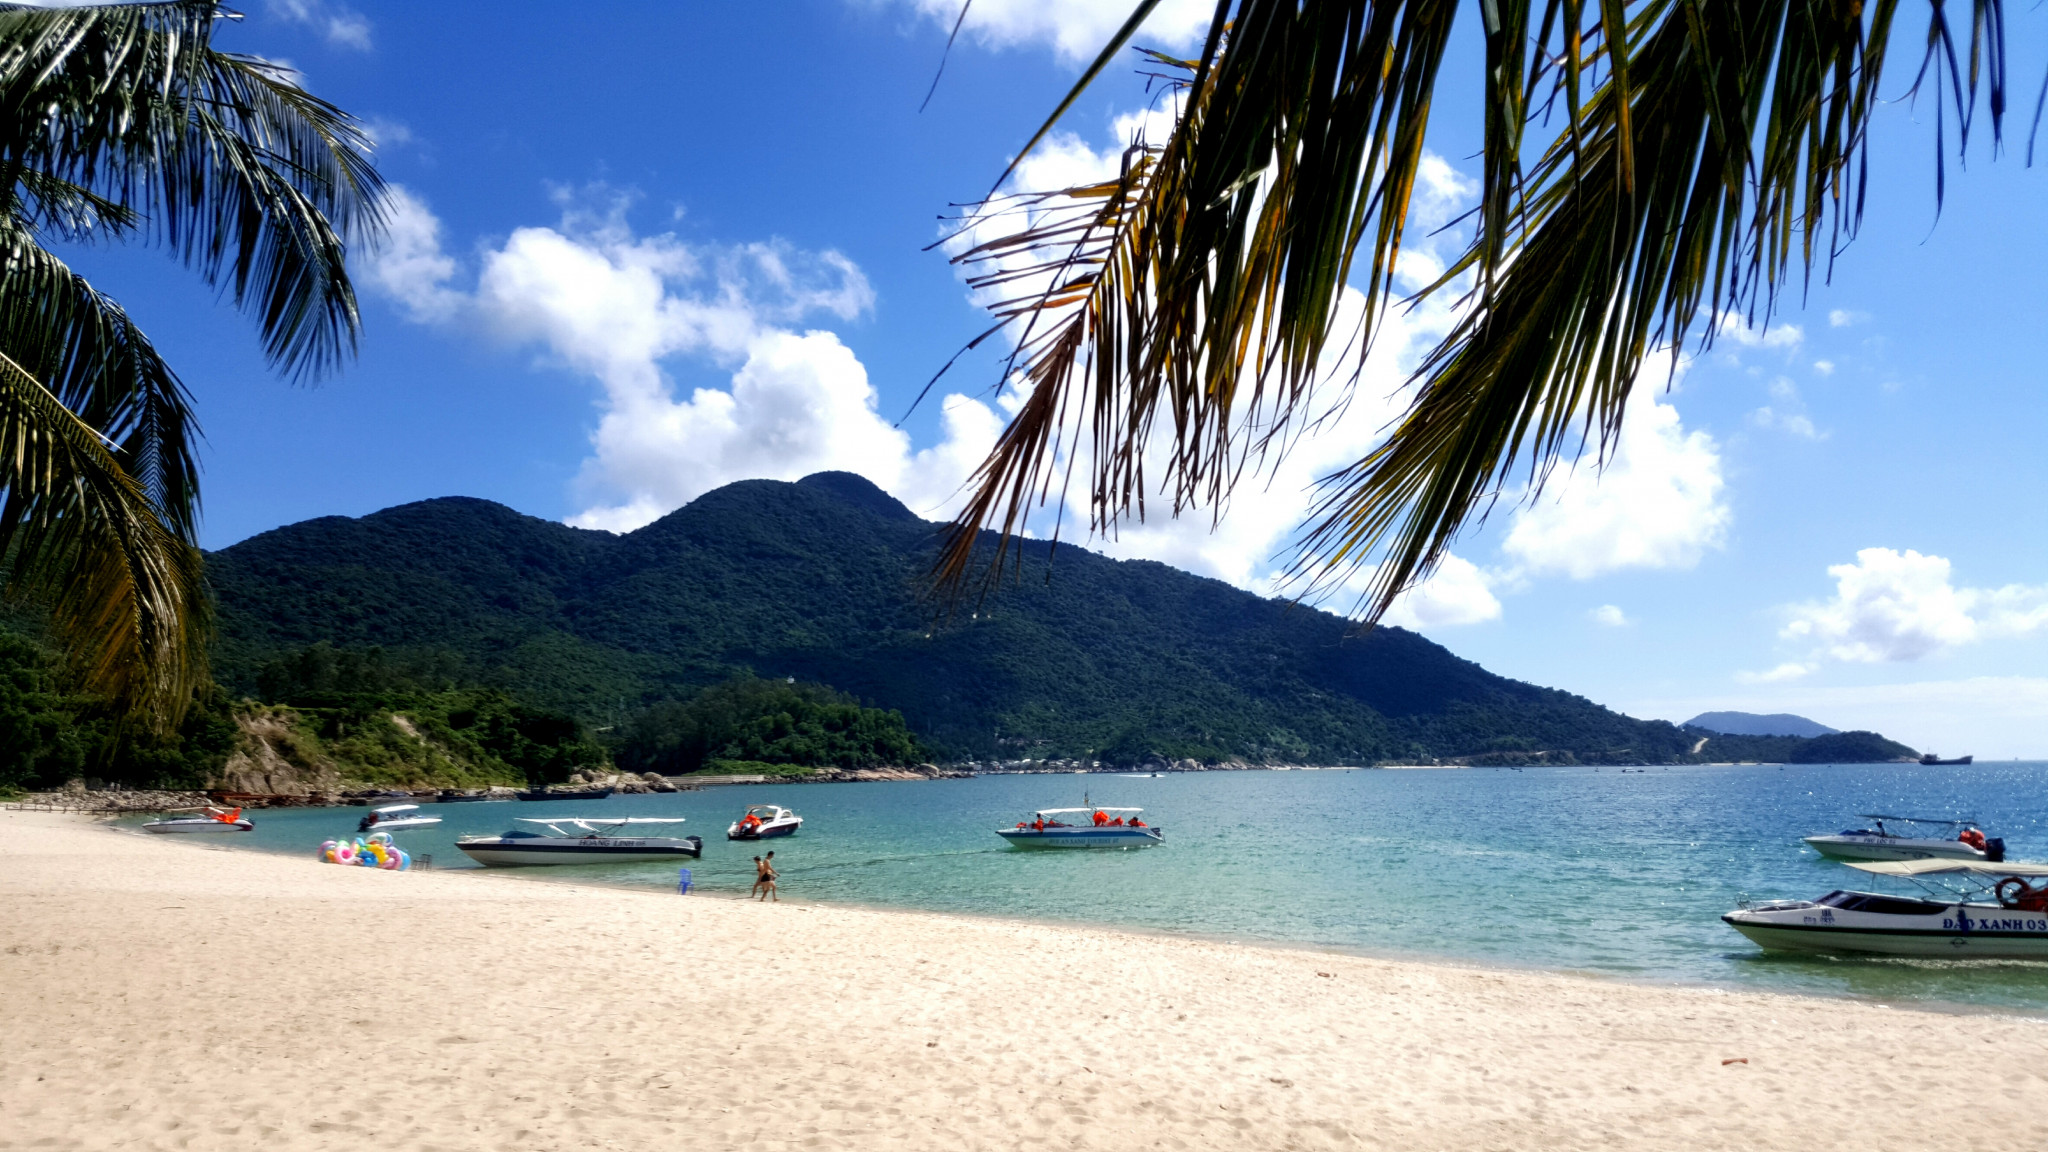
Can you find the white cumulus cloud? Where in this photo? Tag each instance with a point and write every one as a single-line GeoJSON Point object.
{"type": "Point", "coordinates": [341, 25]}
{"type": "Point", "coordinates": [616, 307]}
{"type": "Point", "coordinates": [1657, 503]}
{"type": "Point", "coordinates": [1894, 606]}
{"type": "Point", "coordinates": [1608, 615]}
{"type": "Point", "coordinates": [1777, 675]}
{"type": "Point", "coordinates": [1076, 29]}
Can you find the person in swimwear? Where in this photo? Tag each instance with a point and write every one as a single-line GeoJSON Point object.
{"type": "Point", "coordinates": [765, 880]}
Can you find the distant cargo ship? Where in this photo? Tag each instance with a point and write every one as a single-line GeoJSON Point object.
{"type": "Point", "coordinates": [1931, 758]}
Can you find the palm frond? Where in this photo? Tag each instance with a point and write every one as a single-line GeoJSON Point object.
{"type": "Point", "coordinates": [102, 367]}
{"type": "Point", "coordinates": [125, 591]}
{"type": "Point", "coordinates": [1706, 157]}
{"type": "Point", "coordinates": [252, 181]}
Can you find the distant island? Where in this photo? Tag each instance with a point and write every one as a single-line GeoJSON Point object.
{"type": "Point", "coordinates": [1756, 724]}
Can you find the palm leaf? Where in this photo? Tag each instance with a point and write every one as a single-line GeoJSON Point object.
{"type": "Point", "coordinates": [1707, 155]}
{"type": "Point", "coordinates": [125, 591]}
{"type": "Point", "coordinates": [252, 181]}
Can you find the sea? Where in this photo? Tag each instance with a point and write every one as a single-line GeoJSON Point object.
{"type": "Point", "coordinates": [1618, 873]}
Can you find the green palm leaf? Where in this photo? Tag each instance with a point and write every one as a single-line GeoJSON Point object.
{"type": "Point", "coordinates": [1704, 156]}
{"type": "Point", "coordinates": [122, 121]}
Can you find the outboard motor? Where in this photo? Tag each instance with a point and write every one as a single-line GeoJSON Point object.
{"type": "Point", "coordinates": [1994, 849]}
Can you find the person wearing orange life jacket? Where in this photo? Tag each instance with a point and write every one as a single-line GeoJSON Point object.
{"type": "Point", "coordinates": [1101, 818]}
{"type": "Point", "coordinates": [1973, 838]}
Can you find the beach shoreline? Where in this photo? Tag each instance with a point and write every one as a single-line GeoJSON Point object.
{"type": "Point", "coordinates": [162, 997]}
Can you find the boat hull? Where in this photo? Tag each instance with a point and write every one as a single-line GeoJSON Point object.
{"type": "Point", "coordinates": [197, 826]}
{"type": "Point", "coordinates": [399, 825]}
{"type": "Point", "coordinates": [1967, 931]}
{"type": "Point", "coordinates": [1845, 847]}
{"type": "Point", "coordinates": [496, 852]}
{"type": "Point", "coordinates": [1081, 837]}
{"type": "Point", "coordinates": [766, 832]}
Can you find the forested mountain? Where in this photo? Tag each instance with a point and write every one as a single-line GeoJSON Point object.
{"type": "Point", "coordinates": [821, 580]}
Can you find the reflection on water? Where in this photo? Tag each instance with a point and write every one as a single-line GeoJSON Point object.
{"type": "Point", "coordinates": [1569, 868]}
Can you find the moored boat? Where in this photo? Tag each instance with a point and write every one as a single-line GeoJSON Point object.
{"type": "Point", "coordinates": [2012, 923]}
{"type": "Point", "coordinates": [581, 840]}
{"type": "Point", "coordinates": [1098, 828]}
{"type": "Point", "coordinates": [1931, 759]}
{"type": "Point", "coordinates": [393, 817]}
{"type": "Point", "coordinates": [764, 822]}
{"type": "Point", "coordinates": [1881, 843]}
{"type": "Point", "coordinates": [211, 820]}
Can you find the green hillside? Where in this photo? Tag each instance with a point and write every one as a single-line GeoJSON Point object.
{"type": "Point", "coordinates": [820, 581]}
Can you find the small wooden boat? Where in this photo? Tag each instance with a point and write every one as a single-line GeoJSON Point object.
{"type": "Point", "coordinates": [544, 794]}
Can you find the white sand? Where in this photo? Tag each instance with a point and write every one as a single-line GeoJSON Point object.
{"type": "Point", "coordinates": [154, 994]}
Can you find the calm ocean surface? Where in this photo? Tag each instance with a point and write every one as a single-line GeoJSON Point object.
{"type": "Point", "coordinates": [1600, 871]}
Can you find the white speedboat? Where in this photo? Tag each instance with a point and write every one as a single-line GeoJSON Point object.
{"type": "Point", "coordinates": [581, 840]}
{"type": "Point", "coordinates": [1092, 828]}
{"type": "Point", "coordinates": [2012, 923]}
{"type": "Point", "coordinates": [211, 820]}
{"type": "Point", "coordinates": [764, 822]}
{"type": "Point", "coordinates": [1958, 840]}
{"type": "Point", "coordinates": [393, 817]}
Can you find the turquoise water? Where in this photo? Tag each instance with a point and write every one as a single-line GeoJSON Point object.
{"type": "Point", "coordinates": [1560, 868]}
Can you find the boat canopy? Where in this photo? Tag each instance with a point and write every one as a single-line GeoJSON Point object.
{"type": "Point", "coordinates": [1939, 865]}
{"type": "Point", "coordinates": [397, 808]}
{"type": "Point", "coordinates": [1916, 819]}
{"type": "Point", "coordinates": [1097, 808]}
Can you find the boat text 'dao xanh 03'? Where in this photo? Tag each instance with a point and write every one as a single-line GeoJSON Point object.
{"type": "Point", "coordinates": [581, 840]}
{"type": "Point", "coordinates": [1924, 840]}
{"type": "Point", "coordinates": [2008, 918]}
{"type": "Point", "coordinates": [1095, 828]}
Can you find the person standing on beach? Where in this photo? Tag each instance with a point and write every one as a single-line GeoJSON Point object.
{"type": "Point", "coordinates": [766, 881]}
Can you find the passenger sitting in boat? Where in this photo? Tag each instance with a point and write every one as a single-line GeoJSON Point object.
{"type": "Point", "coordinates": [1973, 838]}
{"type": "Point", "coordinates": [1117, 823]}
{"type": "Point", "coordinates": [1137, 823]}
{"type": "Point", "coordinates": [1039, 824]}
{"type": "Point", "coordinates": [1101, 819]}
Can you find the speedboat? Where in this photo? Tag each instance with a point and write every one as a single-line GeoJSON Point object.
{"type": "Point", "coordinates": [581, 840]}
{"type": "Point", "coordinates": [213, 820]}
{"type": "Point", "coordinates": [1882, 843]}
{"type": "Point", "coordinates": [393, 817]}
{"type": "Point", "coordinates": [2013, 922]}
{"type": "Point", "coordinates": [763, 821]}
{"type": "Point", "coordinates": [1096, 828]}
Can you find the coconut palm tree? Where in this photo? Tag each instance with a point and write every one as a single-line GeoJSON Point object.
{"type": "Point", "coordinates": [123, 122]}
{"type": "Point", "coordinates": [1651, 169]}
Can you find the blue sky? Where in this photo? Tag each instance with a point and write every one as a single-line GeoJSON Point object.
{"type": "Point", "coordinates": [652, 248]}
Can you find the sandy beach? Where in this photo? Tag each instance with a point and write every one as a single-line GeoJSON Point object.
{"type": "Point", "coordinates": [167, 995]}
